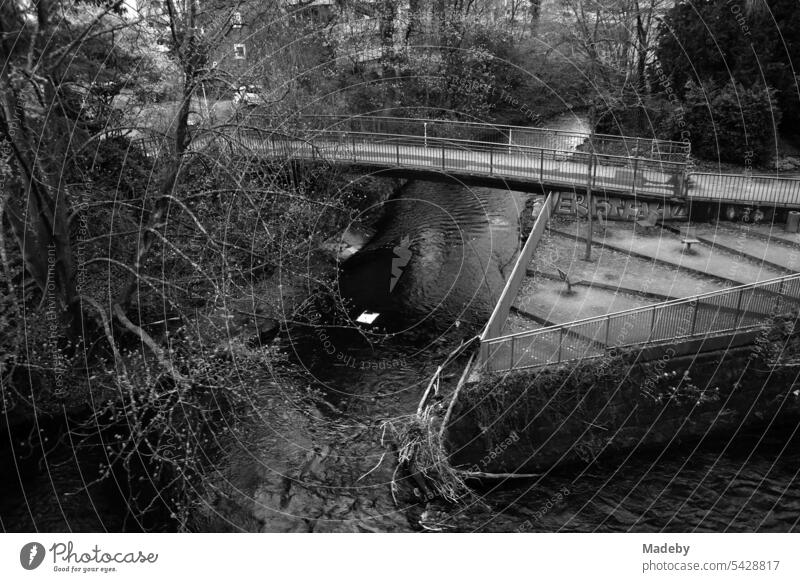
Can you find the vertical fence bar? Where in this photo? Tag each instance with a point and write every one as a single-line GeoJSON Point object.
{"type": "Point", "coordinates": [513, 359]}
{"type": "Point", "coordinates": [442, 157]}
{"type": "Point", "coordinates": [652, 324]}
{"type": "Point", "coordinates": [491, 161]}
{"type": "Point", "coordinates": [738, 314]}
{"type": "Point", "coordinates": [541, 167]}
{"type": "Point", "coordinates": [560, 341]}
{"type": "Point", "coordinates": [397, 150]}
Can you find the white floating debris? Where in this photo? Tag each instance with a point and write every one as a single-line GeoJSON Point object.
{"type": "Point", "coordinates": [367, 317]}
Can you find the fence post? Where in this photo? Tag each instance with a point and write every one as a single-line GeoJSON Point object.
{"type": "Point", "coordinates": [779, 297]}
{"type": "Point", "coordinates": [442, 157]}
{"type": "Point", "coordinates": [694, 316]}
{"type": "Point", "coordinates": [541, 167]}
{"type": "Point", "coordinates": [635, 167]}
{"type": "Point", "coordinates": [738, 309]}
{"type": "Point", "coordinates": [397, 146]}
{"type": "Point", "coordinates": [560, 342]}
{"type": "Point", "coordinates": [652, 325]}
{"type": "Point", "coordinates": [608, 329]}
{"type": "Point", "coordinates": [511, 367]}
{"type": "Point", "coordinates": [353, 143]}
{"type": "Point", "coordinates": [491, 161]}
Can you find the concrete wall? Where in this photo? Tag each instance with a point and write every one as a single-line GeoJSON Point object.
{"type": "Point", "coordinates": [581, 411]}
{"type": "Point", "coordinates": [617, 208]}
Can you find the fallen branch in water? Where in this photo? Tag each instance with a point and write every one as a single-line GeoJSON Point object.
{"type": "Point", "coordinates": [434, 381]}
{"type": "Point", "coordinates": [373, 468]}
{"type": "Point", "coordinates": [482, 475]}
{"type": "Point", "coordinates": [452, 405]}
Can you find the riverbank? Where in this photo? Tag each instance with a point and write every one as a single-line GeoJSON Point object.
{"type": "Point", "coordinates": [564, 415]}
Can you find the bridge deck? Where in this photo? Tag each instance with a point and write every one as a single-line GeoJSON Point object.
{"type": "Point", "coordinates": [524, 158]}
{"type": "Point", "coordinates": [541, 168]}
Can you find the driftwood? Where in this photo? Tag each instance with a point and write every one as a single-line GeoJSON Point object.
{"type": "Point", "coordinates": [483, 475]}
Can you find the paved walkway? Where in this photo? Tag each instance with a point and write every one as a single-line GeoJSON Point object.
{"type": "Point", "coordinates": [552, 170]}
{"type": "Point", "coordinates": [630, 270]}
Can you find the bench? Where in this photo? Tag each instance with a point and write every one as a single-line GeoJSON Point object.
{"type": "Point", "coordinates": [689, 237]}
{"type": "Point", "coordinates": [650, 221]}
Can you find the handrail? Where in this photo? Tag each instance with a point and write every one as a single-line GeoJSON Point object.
{"type": "Point", "coordinates": [645, 308]}
{"type": "Point", "coordinates": [748, 177]}
{"type": "Point", "coordinates": [520, 265]}
{"type": "Point", "coordinates": [603, 136]}
{"type": "Point", "coordinates": [491, 145]}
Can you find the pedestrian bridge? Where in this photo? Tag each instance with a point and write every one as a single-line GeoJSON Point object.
{"type": "Point", "coordinates": [527, 159]}
{"type": "Point", "coordinates": [520, 158]}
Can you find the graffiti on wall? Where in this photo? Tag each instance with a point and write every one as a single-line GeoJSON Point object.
{"type": "Point", "coordinates": [615, 208]}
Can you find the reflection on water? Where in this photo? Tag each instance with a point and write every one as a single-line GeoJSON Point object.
{"type": "Point", "coordinates": [460, 241]}
{"type": "Point", "coordinates": [750, 483]}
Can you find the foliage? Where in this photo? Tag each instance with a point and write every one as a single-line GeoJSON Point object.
{"type": "Point", "coordinates": [456, 69]}
{"type": "Point", "coordinates": [130, 280]}
{"type": "Point", "coordinates": [731, 123]}
{"type": "Point", "coordinates": [751, 44]}
{"type": "Point", "coordinates": [555, 395]}
{"type": "Point", "coordinates": [166, 437]}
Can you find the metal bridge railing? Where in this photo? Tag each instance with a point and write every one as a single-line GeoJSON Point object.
{"type": "Point", "coordinates": [552, 167]}
{"type": "Point", "coordinates": [501, 310]}
{"type": "Point", "coordinates": [737, 309]}
{"type": "Point", "coordinates": [742, 188]}
{"type": "Point", "coordinates": [622, 146]}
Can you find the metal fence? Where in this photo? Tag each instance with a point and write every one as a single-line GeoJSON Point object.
{"type": "Point", "coordinates": [742, 188]}
{"type": "Point", "coordinates": [553, 168]}
{"type": "Point", "coordinates": [152, 147]}
{"type": "Point", "coordinates": [494, 326]}
{"type": "Point", "coordinates": [537, 137]}
{"type": "Point", "coordinates": [736, 309]}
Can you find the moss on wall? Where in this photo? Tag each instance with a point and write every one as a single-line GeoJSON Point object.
{"type": "Point", "coordinates": [574, 412]}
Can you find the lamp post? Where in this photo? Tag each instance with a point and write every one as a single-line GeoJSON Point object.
{"type": "Point", "coordinates": [589, 234]}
